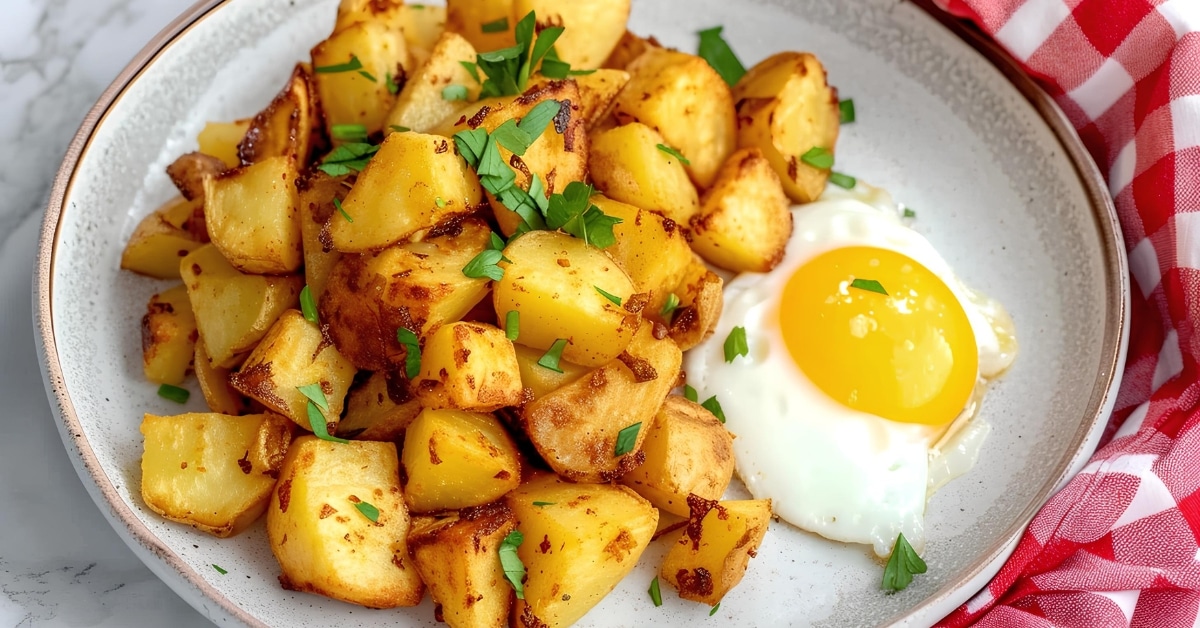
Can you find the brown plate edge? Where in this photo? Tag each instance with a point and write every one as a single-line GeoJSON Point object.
{"type": "Point", "coordinates": [1114, 337]}
{"type": "Point", "coordinates": [106, 496]}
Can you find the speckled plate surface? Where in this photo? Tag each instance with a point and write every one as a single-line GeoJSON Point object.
{"type": "Point", "coordinates": [1004, 191]}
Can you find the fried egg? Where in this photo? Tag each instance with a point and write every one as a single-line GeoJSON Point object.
{"type": "Point", "coordinates": [867, 360]}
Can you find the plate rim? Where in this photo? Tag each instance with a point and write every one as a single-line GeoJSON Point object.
{"type": "Point", "coordinates": [185, 581]}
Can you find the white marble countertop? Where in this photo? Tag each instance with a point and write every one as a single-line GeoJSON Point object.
{"type": "Point", "coordinates": [60, 562]}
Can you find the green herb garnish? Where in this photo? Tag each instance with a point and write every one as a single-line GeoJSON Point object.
{"type": "Point", "coordinates": [690, 394]}
{"type": "Point", "coordinates": [903, 563]}
{"type": "Point", "coordinates": [308, 306]}
{"type": "Point", "coordinates": [655, 592]}
{"type": "Point", "coordinates": [219, 569]}
{"type": "Point", "coordinates": [341, 210]}
{"type": "Point", "coordinates": [818, 157]}
{"type": "Point", "coordinates": [368, 511]}
{"type": "Point", "coordinates": [349, 132]}
{"type": "Point", "coordinates": [542, 504]}
{"type": "Point", "coordinates": [846, 110]}
{"type": "Point", "coordinates": [454, 92]}
{"type": "Point", "coordinates": [399, 129]}
{"type": "Point", "coordinates": [716, 51]}
{"type": "Point", "coordinates": [350, 66]}
{"type": "Point", "coordinates": [627, 438]}
{"type": "Point", "coordinates": [842, 180]}
{"type": "Point", "coordinates": [551, 358]}
{"type": "Point", "coordinates": [512, 325]}
{"type": "Point", "coordinates": [412, 352]}
{"type": "Point", "coordinates": [870, 285]}
{"type": "Point", "coordinates": [392, 86]}
{"type": "Point", "coordinates": [674, 153]}
{"type": "Point", "coordinates": [440, 202]}
{"type": "Point", "coordinates": [735, 344]}
{"type": "Point", "coordinates": [714, 609]}
{"type": "Point", "coordinates": [573, 212]}
{"type": "Point", "coordinates": [669, 306]}
{"type": "Point", "coordinates": [318, 405]}
{"type": "Point", "coordinates": [908, 213]}
{"type": "Point", "coordinates": [508, 70]}
{"type": "Point", "coordinates": [514, 569]}
{"type": "Point", "coordinates": [174, 393]}
{"type": "Point", "coordinates": [485, 265]}
{"type": "Point", "coordinates": [498, 26]}
{"type": "Point", "coordinates": [712, 405]}
{"type": "Point", "coordinates": [608, 295]}
{"type": "Point", "coordinates": [347, 158]}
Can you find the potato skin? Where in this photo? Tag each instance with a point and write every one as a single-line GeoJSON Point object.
{"type": "Point", "coordinates": [552, 280]}
{"type": "Point", "coordinates": [168, 337]}
{"type": "Point", "coordinates": [744, 222]}
{"type": "Point", "coordinates": [711, 554]}
{"type": "Point", "coordinates": [189, 171]}
{"type": "Point", "coordinates": [784, 108]}
{"type": "Point", "coordinates": [683, 98]}
{"type": "Point", "coordinates": [163, 237]}
{"type": "Point", "coordinates": [252, 215]}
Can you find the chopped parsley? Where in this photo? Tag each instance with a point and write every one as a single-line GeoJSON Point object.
{"type": "Point", "coordinates": [716, 51]}
{"type": "Point", "coordinates": [308, 306]}
{"type": "Point", "coordinates": [392, 86]}
{"type": "Point", "coordinates": [714, 609]}
{"type": "Point", "coordinates": [690, 394]}
{"type": "Point", "coordinates": [655, 592]}
{"type": "Point", "coordinates": [486, 265]}
{"type": "Point", "coordinates": [903, 563]}
{"type": "Point", "coordinates": [669, 306]}
{"type": "Point", "coordinates": [512, 325]}
{"type": "Point", "coordinates": [174, 393]}
{"type": "Point", "coordinates": [337, 202]}
{"type": "Point", "coordinates": [440, 202]}
{"type": "Point", "coordinates": [870, 285]}
{"type": "Point", "coordinates": [542, 504]}
{"type": "Point", "coordinates": [909, 213]}
{"type": "Point", "coordinates": [350, 66]}
{"type": "Point", "coordinates": [498, 26]}
{"type": "Point", "coordinates": [846, 110]}
{"type": "Point", "coordinates": [735, 344]}
{"type": "Point", "coordinates": [508, 70]}
{"type": "Point", "coordinates": [818, 157]}
{"type": "Point", "coordinates": [627, 438]}
{"type": "Point", "coordinates": [573, 212]}
{"type": "Point", "coordinates": [514, 569]}
{"type": "Point", "coordinates": [608, 295]}
{"type": "Point", "coordinates": [219, 569]}
{"type": "Point", "coordinates": [368, 511]}
{"type": "Point", "coordinates": [318, 405]}
{"type": "Point", "coordinates": [674, 153]}
{"type": "Point", "coordinates": [712, 405]}
{"type": "Point", "coordinates": [412, 352]}
{"type": "Point", "coordinates": [347, 158]}
{"type": "Point", "coordinates": [454, 92]}
{"type": "Point", "coordinates": [552, 357]}
{"type": "Point", "coordinates": [399, 129]}
{"type": "Point", "coordinates": [842, 180]}
{"type": "Point", "coordinates": [349, 132]}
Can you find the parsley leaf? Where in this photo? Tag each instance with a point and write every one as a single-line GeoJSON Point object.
{"type": "Point", "coordinates": [454, 92]}
{"type": "Point", "coordinates": [870, 285]}
{"type": "Point", "coordinates": [341, 210]}
{"type": "Point", "coordinates": [627, 438]}
{"type": "Point", "coordinates": [655, 592]}
{"type": "Point", "coordinates": [513, 137]}
{"type": "Point", "coordinates": [552, 357]}
{"type": "Point", "coordinates": [412, 352]}
{"type": "Point", "coordinates": [392, 86]}
{"type": "Point", "coordinates": [674, 153]}
{"type": "Point", "coordinates": [308, 306]}
{"type": "Point", "coordinates": [669, 306]}
{"type": "Point", "coordinates": [349, 132]}
{"type": "Point", "coordinates": [219, 569]}
{"type": "Point", "coordinates": [541, 504]}
{"type": "Point", "coordinates": [318, 405]}
{"type": "Point", "coordinates": [470, 145]}
{"type": "Point", "coordinates": [573, 212]}
{"type": "Point", "coordinates": [534, 123]}
{"type": "Point", "coordinates": [735, 344]}
{"type": "Point", "coordinates": [399, 129]}
{"type": "Point", "coordinates": [903, 563]}
{"type": "Point", "coordinates": [512, 325]}
{"type": "Point", "coordinates": [716, 51]}
{"type": "Point", "coordinates": [174, 393]}
{"type": "Point", "coordinates": [846, 110]}
{"type": "Point", "coordinates": [712, 405]}
{"type": "Point", "coordinates": [842, 180]}
{"type": "Point", "coordinates": [369, 511]}
{"type": "Point", "coordinates": [485, 265]}
{"type": "Point", "coordinates": [497, 26]}
{"type": "Point", "coordinates": [818, 157]}
{"type": "Point", "coordinates": [909, 213]}
{"type": "Point", "coordinates": [514, 569]}
{"type": "Point", "coordinates": [347, 158]}
{"type": "Point", "coordinates": [350, 66]}
{"type": "Point", "coordinates": [608, 295]}
{"type": "Point", "coordinates": [714, 609]}
{"type": "Point", "coordinates": [689, 393]}
{"type": "Point", "coordinates": [508, 70]}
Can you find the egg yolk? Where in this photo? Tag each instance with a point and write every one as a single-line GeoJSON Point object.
{"type": "Point", "coordinates": [908, 356]}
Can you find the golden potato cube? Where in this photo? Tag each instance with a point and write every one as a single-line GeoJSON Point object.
{"type": "Point", "coordinates": [576, 428]}
{"type": "Point", "coordinates": [161, 239]}
{"type": "Point", "coordinates": [557, 157]}
{"type": "Point", "coordinates": [212, 471]}
{"type": "Point", "coordinates": [338, 526]}
{"type": "Point", "coordinates": [744, 223]}
{"type": "Point", "coordinates": [414, 182]}
{"type": "Point", "coordinates": [218, 393]}
{"type": "Point", "coordinates": [539, 380]}
{"type": "Point", "coordinates": [294, 353]}
{"type": "Point", "coordinates": [628, 48]}
{"type": "Point", "coordinates": [379, 408]}
{"type": "Point", "coordinates": [554, 281]}
{"type": "Point", "coordinates": [418, 286]}
{"type": "Point", "coordinates": [233, 310]}
{"type": "Point", "coordinates": [221, 139]}
{"type": "Point", "coordinates": [785, 108]}
{"type": "Point", "coordinates": [580, 541]}
{"type": "Point", "coordinates": [712, 552]}
{"type": "Point", "coordinates": [593, 27]}
{"type": "Point", "coordinates": [189, 171]}
{"type": "Point", "coordinates": [420, 105]}
{"type": "Point", "coordinates": [316, 194]}
{"type": "Point", "coordinates": [359, 96]}
{"type": "Point", "coordinates": [456, 557]}
{"type": "Point", "coordinates": [351, 12]}
{"type": "Point", "coordinates": [253, 218]}
{"type": "Point", "coordinates": [701, 298]}
{"type": "Point", "coordinates": [454, 459]}
{"type": "Point", "coordinates": [651, 249]}
{"type": "Point", "coordinates": [683, 98]}
{"type": "Point", "coordinates": [168, 337]}
{"type": "Point", "coordinates": [290, 126]}
{"type": "Point", "coordinates": [468, 366]}
{"type": "Point", "coordinates": [467, 18]}
{"type": "Point", "coordinates": [422, 24]}
{"type": "Point", "coordinates": [597, 91]}
{"type": "Point", "coordinates": [628, 166]}
{"type": "Point", "coordinates": [688, 451]}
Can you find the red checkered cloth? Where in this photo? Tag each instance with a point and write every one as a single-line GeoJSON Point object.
{"type": "Point", "coordinates": [1118, 546]}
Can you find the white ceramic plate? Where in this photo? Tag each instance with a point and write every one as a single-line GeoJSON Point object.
{"type": "Point", "coordinates": [1003, 189]}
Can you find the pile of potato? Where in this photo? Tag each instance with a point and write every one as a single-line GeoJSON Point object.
{"type": "Point", "coordinates": [431, 468]}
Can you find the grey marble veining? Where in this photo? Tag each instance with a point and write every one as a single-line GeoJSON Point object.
{"type": "Point", "coordinates": [60, 562]}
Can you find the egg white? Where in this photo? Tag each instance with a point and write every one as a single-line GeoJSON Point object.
{"type": "Point", "coordinates": [844, 474]}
